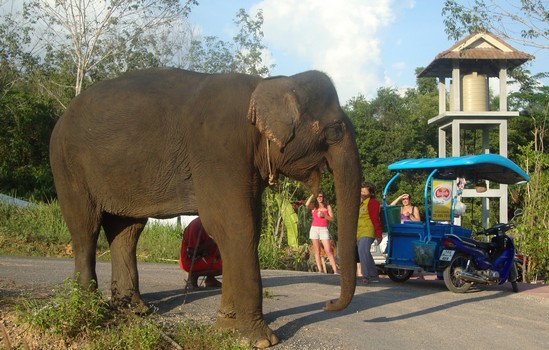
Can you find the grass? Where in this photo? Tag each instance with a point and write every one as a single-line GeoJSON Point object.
{"type": "Point", "coordinates": [41, 231]}
{"type": "Point", "coordinates": [74, 318]}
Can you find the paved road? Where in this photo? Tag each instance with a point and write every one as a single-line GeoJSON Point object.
{"type": "Point", "coordinates": [387, 315]}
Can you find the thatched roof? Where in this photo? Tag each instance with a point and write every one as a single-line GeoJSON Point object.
{"type": "Point", "coordinates": [483, 52]}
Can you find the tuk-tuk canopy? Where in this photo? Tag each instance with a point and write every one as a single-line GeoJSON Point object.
{"type": "Point", "coordinates": [491, 167]}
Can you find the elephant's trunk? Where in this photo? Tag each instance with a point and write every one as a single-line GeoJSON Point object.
{"type": "Point", "coordinates": [344, 162]}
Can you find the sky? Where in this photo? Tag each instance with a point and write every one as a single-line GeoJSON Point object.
{"type": "Point", "coordinates": [362, 45]}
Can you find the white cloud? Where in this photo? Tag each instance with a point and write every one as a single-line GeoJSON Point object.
{"type": "Point", "coordinates": [337, 37]}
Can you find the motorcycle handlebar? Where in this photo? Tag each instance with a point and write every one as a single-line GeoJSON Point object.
{"type": "Point", "coordinates": [498, 228]}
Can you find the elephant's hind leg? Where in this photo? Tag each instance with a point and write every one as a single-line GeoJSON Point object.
{"type": "Point", "coordinates": [83, 221]}
{"type": "Point", "coordinates": [122, 234]}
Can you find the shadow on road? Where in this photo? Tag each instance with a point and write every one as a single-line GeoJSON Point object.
{"type": "Point", "coordinates": [304, 313]}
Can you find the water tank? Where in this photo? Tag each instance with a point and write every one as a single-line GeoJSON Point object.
{"type": "Point", "coordinates": [475, 93]}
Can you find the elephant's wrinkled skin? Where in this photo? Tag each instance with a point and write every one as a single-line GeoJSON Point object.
{"type": "Point", "coordinates": [165, 142]}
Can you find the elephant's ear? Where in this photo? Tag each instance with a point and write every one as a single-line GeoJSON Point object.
{"type": "Point", "coordinates": [274, 109]}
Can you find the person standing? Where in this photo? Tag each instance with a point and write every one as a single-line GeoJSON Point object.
{"type": "Point", "coordinates": [368, 230]}
{"type": "Point", "coordinates": [321, 212]}
{"type": "Point", "coordinates": [408, 212]}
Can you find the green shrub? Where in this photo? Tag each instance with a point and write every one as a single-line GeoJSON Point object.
{"type": "Point", "coordinates": [72, 311]}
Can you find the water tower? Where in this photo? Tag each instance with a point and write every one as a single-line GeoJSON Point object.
{"type": "Point", "coordinates": [470, 64]}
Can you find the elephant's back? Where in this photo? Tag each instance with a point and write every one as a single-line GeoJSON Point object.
{"type": "Point", "coordinates": [140, 126]}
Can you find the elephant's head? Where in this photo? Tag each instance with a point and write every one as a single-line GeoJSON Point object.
{"type": "Point", "coordinates": [301, 116]}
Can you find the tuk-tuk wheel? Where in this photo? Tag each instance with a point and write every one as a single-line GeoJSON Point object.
{"type": "Point", "coordinates": [399, 275]}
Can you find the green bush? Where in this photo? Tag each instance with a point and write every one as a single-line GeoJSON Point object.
{"type": "Point", "coordinates": [82, 317]}
{"type": "Point", "coordinates": [72, 311]}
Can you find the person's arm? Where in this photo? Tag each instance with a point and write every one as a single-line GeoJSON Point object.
{"type": "Point", "coordinates": [396, 200]}
{"type": "Point", "coordinates": [414, 216]}
{"type": "Point", "coordinates": [330, 216]}
{"type": "Point", "coordinates": [308, 202]}
{"type": "Point", "coordinates": [374, 209]}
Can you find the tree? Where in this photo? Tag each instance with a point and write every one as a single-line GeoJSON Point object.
{"type": "Point", "coordinates": [244, 55]}
{"type": "Point", "coordinates": [86, 30]}
{"type": "Point", "coordinates": [530, 17]}
{"type": "Point", "coordinates": [26, 116]}
{"type": "Point", "coordinates": [51, 50]}
{"type": "Point", "coordinates": [250, 48]}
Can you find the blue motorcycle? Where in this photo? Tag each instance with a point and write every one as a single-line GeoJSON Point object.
{"type": "Point", "coordinates": [467, 261]}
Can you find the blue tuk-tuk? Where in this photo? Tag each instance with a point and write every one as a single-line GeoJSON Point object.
{"type": "Point", "coordinates": [416, 246]}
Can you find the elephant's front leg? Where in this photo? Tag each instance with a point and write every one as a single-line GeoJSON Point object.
{"type": "Point", "coordinates": [242, 298]}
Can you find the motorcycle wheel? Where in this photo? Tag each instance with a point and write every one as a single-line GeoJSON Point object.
{"type": "Point", "coordinates": [518, 266]}
{"type": "Point", "coordinates": [450, 275]}
{"type": "Point", "coordinates": [399, 275]}
{"type": "Point", "coordinates": [513, 277]}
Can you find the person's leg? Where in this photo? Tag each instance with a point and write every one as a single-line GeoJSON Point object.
{"type": "Point", "coordinates": [212, 282]}
{"type": "Point", "coordinates": [373, 274]}
{"type": "Point", "coordinates": [328, 249]}
{"type": "Point", "coordinates": [316, 246]}
{"type": "Point", "coordinates": [194, 280]}
{"type": "Point", "coordinates": [366, 259]}
{"type": "Point", "coordinates": [358, 267]}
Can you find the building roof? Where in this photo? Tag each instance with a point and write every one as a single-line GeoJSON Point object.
{"type": "Point", "coordinates": [480, 52]}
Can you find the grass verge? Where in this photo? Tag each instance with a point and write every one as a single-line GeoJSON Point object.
{"type": "Point", "coordinates": [74, 318]}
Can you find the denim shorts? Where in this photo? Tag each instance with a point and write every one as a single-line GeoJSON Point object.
{"type": "Point", "coordinates": [318, 232]}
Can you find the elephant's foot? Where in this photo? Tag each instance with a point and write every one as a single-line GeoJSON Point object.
{"type": "Point", "coordinates": [257, 332]}
{"type": "Point", "coordinates": [132, 303]}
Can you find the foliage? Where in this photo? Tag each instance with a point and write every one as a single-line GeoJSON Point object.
{"type": "Point", "coordinates": [244, 55]}
{"type": "Point", "coordinates": [85, 31]}
{"type": "Point", "coordinates": [159, 243]}
{"type": "Point", "coordinates": [533, 231]}
{"type": "Point", "coordinates": [26, 115]}
{"type": "Point", "coordinates": [275, 200]}
{"type": "Point", "coordinates": [388, 129]}
{"type": "Point", "coordinates": [76, 317]}
{"type": "Point", "coordinates": [72, 311]}
{"type": "Point", "coordinates": [41, 231]}
{"type": "Point", "coordinates": [297, 258]}
{"type": "Point", "coordinates": [531, 17]}
{"type": "Point", "coordinates": [50, 51]}
{"type": "Point", "coordinates": [24, 139]}
{"type": "Point", "coordinates": [269, 252]}
{"type": "Point", "coordinates": [250, 49]}
{"type": "Point", "coordinates": [34, 231]}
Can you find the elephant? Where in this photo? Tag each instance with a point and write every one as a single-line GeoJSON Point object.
{"type": "Point", "coordinates": [164, 142]}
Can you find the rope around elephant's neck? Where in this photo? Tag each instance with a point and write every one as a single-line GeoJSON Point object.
{"type": "Point", "coordinates": [272, 178]}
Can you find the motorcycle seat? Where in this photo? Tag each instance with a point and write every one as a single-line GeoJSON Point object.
{"type": "Point", "coordinates": [473, 243]}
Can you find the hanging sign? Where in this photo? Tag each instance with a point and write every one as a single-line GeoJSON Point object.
{"type": "Point", "coordinates": [441, 199]}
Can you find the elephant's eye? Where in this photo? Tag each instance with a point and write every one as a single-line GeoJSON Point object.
{"type": "Point", "coordinates": [333, 133]}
